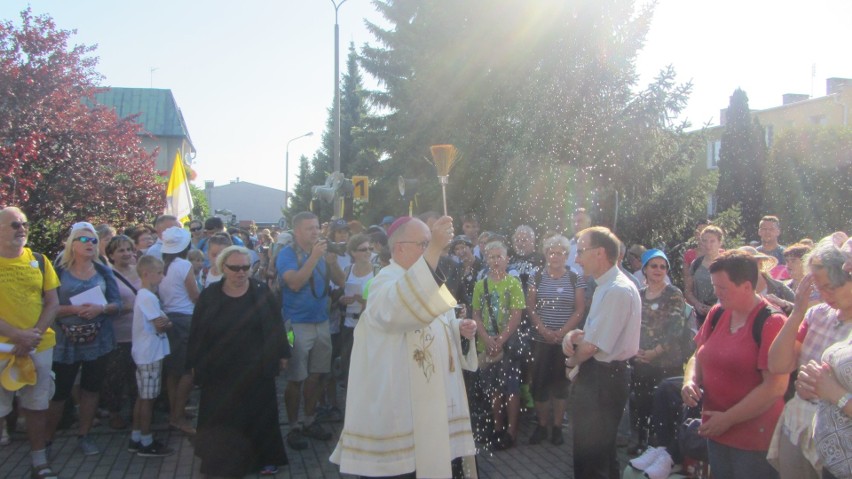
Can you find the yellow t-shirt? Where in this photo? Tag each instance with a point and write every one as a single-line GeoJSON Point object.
{"type": "Point", "coordinates": [21, 286]}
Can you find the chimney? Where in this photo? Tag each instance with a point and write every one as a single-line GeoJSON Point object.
{"type": "Point", "coordinates": [836, 85]}
{"type": "Point", "coordinates": [789, 98]}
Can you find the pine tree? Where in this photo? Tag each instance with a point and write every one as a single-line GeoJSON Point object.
{"type": "Point", "coordinates": [301, 199]}
{"type": "Point", "coordinates": [741, 163]}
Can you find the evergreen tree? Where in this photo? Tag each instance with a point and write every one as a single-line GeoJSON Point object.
{"type": "Point", "coordinates": [356, 157]}
{"type": "Point", "coordinates": [301, 198]}
{"type": "Point", "coordinates": [742, 162]}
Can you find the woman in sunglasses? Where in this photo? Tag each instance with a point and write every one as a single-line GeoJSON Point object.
{"type": "Point", "coordinates": [659, 356]}
{"type": "Point", "coordinates": [237, 346]}
{"type": "Point", "coordinates": [88, 298]}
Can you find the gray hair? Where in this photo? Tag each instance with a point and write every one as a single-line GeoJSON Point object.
{"type": "Point", "coordinates": [525, 229]}
{"type": "Point", "coordinates": [227, 252]}
{"type": "Point", "coordinates": [496, 245]}
{"type": "Point", "coordinates": [826, 255]}
{"type": "Point", "coordinates": [556, 241]}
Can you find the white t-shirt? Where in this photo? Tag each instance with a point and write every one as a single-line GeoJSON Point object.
{"type": "Point", "coordinates": [173, 288]}
{"type": "Point", "coordinates": [354, 286]}
{"type": "Point", "coordinates": [149, 346]}
{"type": "Point", "coordinates": [212, 278]}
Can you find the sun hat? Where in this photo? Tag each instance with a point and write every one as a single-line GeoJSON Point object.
{"type": "Point", "coordinates": [387, 220]}
{"type": "Point", "coordinates": [175, 240]}
{"type": "Point", "coordinates": [82, 225]}
{"type": "Point", "coordinates": [19, 372]}
{"type": "Point", "coordinates": [651, 254]}
{"type": "Point", "coordinates": [460, 239]}
{"type": "Point", "coordinates": [765, 262]}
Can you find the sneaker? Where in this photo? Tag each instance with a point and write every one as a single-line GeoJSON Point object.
{"type": "Point", "coordinates": [133, 446]}
{"type": "Point", "coordinates": [43, 472]}
{"type": "Point", "coordinates": [155, 449]}
{"type": "Point", "coordinates": [503, 441]}
{"type": "Point", "coordinates": [538, 435]}
{"type": "Point", "coordinates": [295, 439]}
{"type": "Point", "coordinates": [662, 467]}
{"type": "Point", "coordinates": [556, 438]}
{"type": "Point", "coordinates": [647, 458]}
{"type": "Point", "coordinates": [316, 431]}
{"type": "Point", "coordinates": [268, 470]}
{"type": "Point", "coordinates": [88, 446]}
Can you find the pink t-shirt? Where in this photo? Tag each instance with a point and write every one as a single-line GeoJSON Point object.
{"type": "Point", "coordinates": [730, 368]}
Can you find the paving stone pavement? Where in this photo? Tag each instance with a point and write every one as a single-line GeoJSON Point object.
{"type": "Point", "coordinates": [522, 461]}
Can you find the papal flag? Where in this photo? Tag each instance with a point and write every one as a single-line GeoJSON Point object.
{"type": "Point", "coordinates": [178, 198]}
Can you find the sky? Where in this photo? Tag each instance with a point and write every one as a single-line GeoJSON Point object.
{"type": "Point", "coordinates": [249, 76]}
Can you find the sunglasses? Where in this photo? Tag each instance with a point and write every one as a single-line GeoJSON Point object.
{"type": "Point", "coordinates": [86, 239]}
{"type": "Point", "coordinates": [16, 225]}
{"type": "Point", "coordinates": [196, 229]}
{"type": "Point", "coordinates": [236, 267]}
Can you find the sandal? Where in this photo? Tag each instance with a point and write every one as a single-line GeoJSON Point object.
{"type": "Point", "coordinates": [43, 472]}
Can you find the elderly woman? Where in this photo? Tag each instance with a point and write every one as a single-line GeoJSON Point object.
{"type": "Point", "coordinates": [824, 372]}
{"type": "Point", "coordinates": [698, 289]}
{"type": "Point", "coordinates": [88, 298]}
{"type": "Point", "coordinates": [236, 347]}
{"type": "Point", "coordinates": [555, 303]}
{"type": "Point", "coordinates": [143, 237]}
{"type": "Point", "coordinates": [498, 301]}
{"type": "Point", "coordinates": [178, 294]}
{"type": "Point", "coordinates": [659, 355]}
{"type": "Point", "coordinates": [120, 370]}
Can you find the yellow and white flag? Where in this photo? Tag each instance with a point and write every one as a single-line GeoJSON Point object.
{"type": "Point", "coordinates": [178, 198]}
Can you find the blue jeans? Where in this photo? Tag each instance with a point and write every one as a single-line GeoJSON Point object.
{"type": "Point", "coordinates": [732, 463]}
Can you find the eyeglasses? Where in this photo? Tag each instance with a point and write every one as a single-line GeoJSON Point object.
{"type": "Point", "coordinates": [196, 229]}
{"type": "Point", "coordinates": [583, 250]}
{"type": "Point", "coordinates": [661, 266]}
{"type": "Point", "coordinates": [16, 225]}
{"type": "Point", "coordinates": [421, 244]}
{"type": "Point", "coordinates": [86, 239]}
{"type": "Point", "coordinates": [364, 250]}
{"type": "Point", "coordinates": [238, 267]}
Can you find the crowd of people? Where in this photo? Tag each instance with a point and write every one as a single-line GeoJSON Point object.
{"type": "Point", "coordinates": [442, 342]}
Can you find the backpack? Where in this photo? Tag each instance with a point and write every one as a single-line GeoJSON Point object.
{"type": "Point", "coordinates": [756, 333]}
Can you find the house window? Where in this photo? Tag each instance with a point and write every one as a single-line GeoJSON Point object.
{"type": "Point", "coordinates": [713, 147]}
{"type": "Point", "coordinates": [818, 120]}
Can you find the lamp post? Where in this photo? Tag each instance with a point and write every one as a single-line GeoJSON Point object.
{"type": "Point", "coordinates": [287, 168]}
{"type": "Point", "coordinates": [337, 86]}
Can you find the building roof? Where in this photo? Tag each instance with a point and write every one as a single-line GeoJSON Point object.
{"type": "Point", "coordinates": [158, 112]}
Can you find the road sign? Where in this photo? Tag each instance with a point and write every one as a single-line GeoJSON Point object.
{"type": "Point", "coordinates": [362, 187]}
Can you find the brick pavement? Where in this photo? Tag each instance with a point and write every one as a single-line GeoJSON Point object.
{"type": "Point", "coordinates": [540, 461]}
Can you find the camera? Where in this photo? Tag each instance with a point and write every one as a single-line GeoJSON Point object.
{"type": "Point", "coordinates": [336, 248]}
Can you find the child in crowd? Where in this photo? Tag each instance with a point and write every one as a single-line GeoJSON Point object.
{"type": "Point", "coordinates": [196, 257]}
{"type": "Point", "coordinates": [150, 346]}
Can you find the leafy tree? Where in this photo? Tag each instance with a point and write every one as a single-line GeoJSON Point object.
{"type": "Point", "coordinates": [808, 178]}
{"type": "Point", "coordinates": [69, 161]}
{"type": "Point", "coordinates": [742, 159]}
{"type": "Point", "coordinates": [541, 98]}
{"type": "Point", "coordinates": [200, 207]}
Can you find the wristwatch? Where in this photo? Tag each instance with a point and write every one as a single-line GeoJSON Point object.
{"type": "Point", "coordinates": [841, 403]}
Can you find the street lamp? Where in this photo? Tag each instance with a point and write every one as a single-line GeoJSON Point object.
{"type": "Point", "coordinates": [287, 168]}
{"type": "Point", "coordinates": [337, 86]}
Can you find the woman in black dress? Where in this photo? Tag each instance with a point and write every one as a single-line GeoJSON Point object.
{"type": "Point", "coordinates": [237, 345]}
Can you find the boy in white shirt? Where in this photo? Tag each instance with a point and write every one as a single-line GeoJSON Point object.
{"type": "Point", "coordinates": [150, 346]}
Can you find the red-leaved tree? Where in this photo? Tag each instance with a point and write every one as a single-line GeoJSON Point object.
{"type": "Point", "coordinates": [63, 158]}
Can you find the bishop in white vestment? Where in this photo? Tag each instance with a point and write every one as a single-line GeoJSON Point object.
{"type": "Point", "coordinates": [406, 406]}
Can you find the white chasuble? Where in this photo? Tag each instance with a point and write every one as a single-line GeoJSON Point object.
{"type": "Point", "coordinates": [406, 405]}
